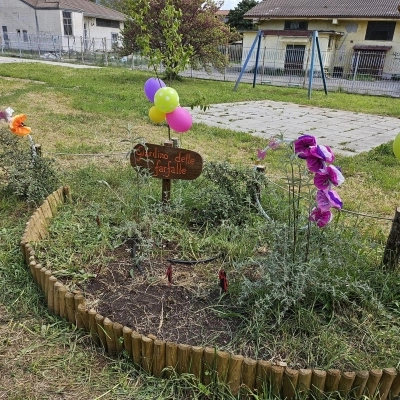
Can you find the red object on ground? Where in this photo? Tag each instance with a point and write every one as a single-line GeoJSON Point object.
{"type": "Point", "coordinates": [223, 280]}
{"type": "Point", "coordinates": [169, 274]}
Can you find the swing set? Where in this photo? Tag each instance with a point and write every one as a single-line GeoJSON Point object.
{"type": "Point", "coordinates": [315, 47]}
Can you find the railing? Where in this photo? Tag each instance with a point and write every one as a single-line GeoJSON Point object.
{"type": "Point", "coordinates": [356, 71]}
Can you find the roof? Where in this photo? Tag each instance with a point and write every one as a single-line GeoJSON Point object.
{"type": "Point", "coordinates": [222, 12]}
{"type": "Point", "coordinates": [88, 8]}
{"type": "Point", "coordinates": [386, 9]}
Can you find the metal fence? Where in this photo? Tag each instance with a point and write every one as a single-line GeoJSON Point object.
{"type": "Point", "coordinates": [356, 71]}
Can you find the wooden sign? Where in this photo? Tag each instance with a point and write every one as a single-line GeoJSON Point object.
{"type": "Point", "coordinates": [166, 162]}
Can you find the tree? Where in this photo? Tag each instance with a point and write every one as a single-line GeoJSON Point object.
{"type": "Point", "coordinates": [235, 17]}
{"type": "Point", "coordinates": [176, 32]}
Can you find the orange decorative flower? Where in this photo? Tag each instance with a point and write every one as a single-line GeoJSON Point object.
{"type": "Point", "coordinates": [18, 127]}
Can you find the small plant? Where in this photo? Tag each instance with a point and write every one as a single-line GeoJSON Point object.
{"type": "Point", "coordinates": [22, 171]}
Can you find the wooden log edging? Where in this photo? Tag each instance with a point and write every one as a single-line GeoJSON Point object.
{"type": "Point", "coordinates": [206, 364]}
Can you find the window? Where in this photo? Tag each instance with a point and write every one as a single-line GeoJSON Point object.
{"type": "Point", "coordinates": [18, 32]}
{"type": "Point", "coordinates": [5, 34]}
{"type": "Point", "coordinates": [67, 21]}
{"type": "Point", "coordinates": [296, 25]}
{"type": "Point", "coordinates": [380, 30]}
{"type": "Point", "coordinates": [114, 38]}
{"type": "Point", "coordinates": [107, 23]}
{"type": "Point", "coordinates": [25, 35]}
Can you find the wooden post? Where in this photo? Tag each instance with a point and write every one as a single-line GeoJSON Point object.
{"type": "Point", "coordinates": [345, 383]}
{"type": "Point", "coordinates": [359, 383]}
{"type": "Point", "coordinates": [126, 333]}
{"type": "Point", "coordinates": [391, 254]}
{"type": "Point", "coordinates": [276, 380]}
{"type": "Point", "coordinates": [50, 293]}
{"type": "Point", "coordinates": [304, 381]}
{"type": "Point", "coordinates": [78, 299]}
{"type": "Point", "coordinates": [249, 373]}
{"type": "Point", "coordinates": [93, 326]}
{"type": "Point", "coordinates": [166, 183]}
{"type": "Point", "coordinates": [196, 360]}
{"type": "Point", "coordinates": [183, 358]}
{"type": "Point", "coordinates": [372, 383]}
{"type": "Point", "coordinates": [290, 378]}
{"type": "Point", "coordinates": [57, 286]}
{"type": "Point", "coordinates": [62, 291]}
{"type": "Point", "coordinates": [158, 358]}
{"type": "Point", "coordinates": [171, 356]}
{"type": "Point", "coordinates": [222, 365]}
{"type": "Point", "coordinates": [318, 383]}
{"type": "Point", "coordinates": [43, 278]}
{"type": "Point", "coordinates": [147, 354]}
{"type": "Point", "coordinates": [118, 335]}
{"type": "Point", "coordinates": [332, 380]}
{"type": "Point", "coordinates": [70, 307]}
{"type": "Point", "coordinates": [32, 265]}
{"type": "Point", "coordinates": [38, 267]}
{"type": "Point", "coordinates": [395, 388]}
{"type": "Point", "coordinates": [263, 376]}
{"type": "Point", "coordinates": [136, 340]}
{"type": "Point", "coordinates": [47, 276]}
{"type": "Point", "coordinates": [100, 330]}
{"type": "Point", "coordinates": [235, 373]}
{"type": "Point", "coordinates": [110, 339]}
{"type": "Point", "coordinates": [388, 375]}
{"type": "Point", "coordinates": [209, 356]}
{"type": "Point", "coordinates": [83, 316]}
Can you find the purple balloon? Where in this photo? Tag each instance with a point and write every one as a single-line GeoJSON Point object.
{"type": "Point", "coordinates": [179, 120]}
{"type": "Point", "coordinates": [151, 86]}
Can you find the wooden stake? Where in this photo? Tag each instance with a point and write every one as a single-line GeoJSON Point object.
{"type": "Point", "coordinates": [110, 339]}
{"type": "Point", "coordinates": [38, 278]}
{"type": "Point", "coordinates": [332, 380]}
{"type": "Point", "coordinates": [249, 373]}
{"type": "Point", "coordinates": [183, 364]}
{"type": "Point", "coordinates": [222, 365]}
{"type": "Point", "coordinates": [196, 361]}
{"type": "Point", "coordinates": [62, 291]}
{"type": "Point", "coordinates": [78, 299]}
{"type": "Point", "coordinates": [209, 359]}
{"type": "Point", "coordinates": [50, 293]}
{"type": "Point", "coordinates": [93, 326]}
{"type": "Point", "coordinates": [166, 183]}
{"type": "Point", "coordinates": [373, 382]}
{"type": "Point", "coordinates": [290, 379]}
{"type": "Point", "coordinates": [83, 317]}
{"type": "Point", "coordinates": [395, 388]}
{"type": "Point", "coordinates": [171, 356]}
{"type": "Point", "coordinates": [32, 265]}
{"type": "Point", "coordinates": [147, 354]}
{"type": "Point", "coordinates": [304, 381]}
{"type": "Point", "coordinates": [235, 373]}
{"type": "Point", "coordinates": [126, 332]}
{"type": "Point", "coordinates": [57, 286]}
{"type": "Point", "coordinates": [388, 375]}
{"type": "Point", "coordinates": [345, 383]}
{"type": "Point", "coordinates": [358, 386]}
{"type": "Point", "coordinates": [263, 376]}
{"type": "Point", "coordinates": [276, 379]}
{"type": "Point", "coordinates": [159, 358]}
{"type": "Point", "coordinates": [318, 383]}
{"type": "Point", "coordinates": [47, 276]}
{"type": "Point", "coordinates": [136, 339]}
{"type": "Point", "coordinates": [101, 333]}
{"type": "Point", "coordinates": [119, 337]}
{"type": "Point", "coordinates": [43, 278]}
{"type": "Point", "coordinates": [70, 307]}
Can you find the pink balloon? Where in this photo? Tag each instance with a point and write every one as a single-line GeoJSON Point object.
{"type": "Point", "coordinates": [179, 120]}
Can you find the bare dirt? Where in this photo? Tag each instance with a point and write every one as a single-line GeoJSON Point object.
{"type": "Point", "coordinates": [190, 310]}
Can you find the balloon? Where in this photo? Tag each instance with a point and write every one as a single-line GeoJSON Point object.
{"type": "Point", "coordinates": [156, 116]}
{"type": "Point", "coordinates": [179, 120]}
{"type": "Point", "coordinates": [396, 146]}
{"type": "Point", "coordinates": [166, 99]}
{"type": "Point", "coordinates": [151, 86]}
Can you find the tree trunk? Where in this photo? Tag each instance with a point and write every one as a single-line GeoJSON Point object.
{"type": "Point", "coordinates": [392, 250]}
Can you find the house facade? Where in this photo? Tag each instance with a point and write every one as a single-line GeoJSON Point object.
{"type": "Point", "coordinates": [53, 25]}
{"type": "Point", "coordinates": [362, 35]}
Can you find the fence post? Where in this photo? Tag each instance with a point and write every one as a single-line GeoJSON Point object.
{"type": "Point", "coordinates": [392, 250]}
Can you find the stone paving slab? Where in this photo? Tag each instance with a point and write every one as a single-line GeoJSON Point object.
{"type": "Point", "coordinates": [346, 132]}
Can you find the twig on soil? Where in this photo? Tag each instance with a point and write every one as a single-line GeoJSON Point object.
{"type": "Point", "coordinates": [161, 317]}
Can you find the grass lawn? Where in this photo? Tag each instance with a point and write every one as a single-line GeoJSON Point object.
{"type": "Point", "coordinates": [85, 120]}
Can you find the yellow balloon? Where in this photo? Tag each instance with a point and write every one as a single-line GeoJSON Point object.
{"type": "Point", "coordinates": [396, 146]}
{"type": "Point", "coordinates": [156, 115]}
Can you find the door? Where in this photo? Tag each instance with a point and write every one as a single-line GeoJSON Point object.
{"type": "Point", "coordinates": [294, 59]}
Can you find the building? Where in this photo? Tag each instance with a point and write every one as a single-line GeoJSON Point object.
{"type": "Point", "coordinates": [54, 25]}
{"type": "Point", "coordinates": [362, 35]}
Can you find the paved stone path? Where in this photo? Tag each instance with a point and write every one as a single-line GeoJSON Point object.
{"type": "Point", "coordinates": [347, 133]}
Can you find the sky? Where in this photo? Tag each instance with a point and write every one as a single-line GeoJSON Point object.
{"type": "Point", "coordinates": [230, 4]}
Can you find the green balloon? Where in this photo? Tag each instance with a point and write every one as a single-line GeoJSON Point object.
{"type": "Point", "coordinates": [166, 99]}
{"type": "Point", "coordinates": [396, 146]}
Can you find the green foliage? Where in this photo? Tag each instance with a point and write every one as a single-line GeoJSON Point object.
{"type": "Point", "coordinates": [235, 16]}
{"type": "Point", "coordinates": [29, 177]}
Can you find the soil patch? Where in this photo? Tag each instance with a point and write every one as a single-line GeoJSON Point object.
{"type": "Point", "coordinates": [191, 310]}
